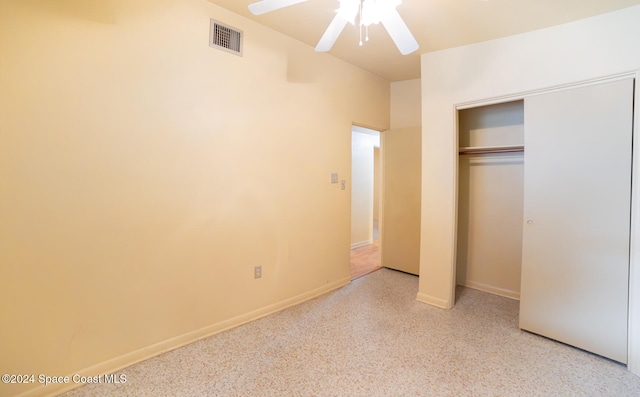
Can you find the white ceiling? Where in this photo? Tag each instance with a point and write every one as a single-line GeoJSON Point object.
{"type": "Point", "coordinates": [436, 24]}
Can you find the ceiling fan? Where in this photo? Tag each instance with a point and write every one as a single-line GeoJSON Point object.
{"type": "Point", "coordinates": [367, 12]}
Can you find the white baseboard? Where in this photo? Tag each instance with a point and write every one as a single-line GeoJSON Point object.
{"type": "Point", "coordinates": [126, 360]}
{"type": "Point", "coordinates": [361, 244]}
{"type": "Point", "coordinates": [492, 290]}
{"type": "Point", "coordinates": [433, 301]}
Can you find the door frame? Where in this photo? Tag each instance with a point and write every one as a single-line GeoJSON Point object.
{"type": "Point", "coordinates": [362, 129]}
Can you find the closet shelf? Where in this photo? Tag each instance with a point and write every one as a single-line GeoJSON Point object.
{"type": "Point", "coordinates": [490, 149]}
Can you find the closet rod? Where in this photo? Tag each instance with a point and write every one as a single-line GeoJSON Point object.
{"type": "Point", "coordinates": [489, 150]}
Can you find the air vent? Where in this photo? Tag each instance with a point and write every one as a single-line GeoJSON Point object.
{"type": "Point", "coordinates": [225, 38]}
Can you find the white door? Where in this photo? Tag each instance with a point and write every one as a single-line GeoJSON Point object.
{"type": "Point", "coordinates": [575, 260]}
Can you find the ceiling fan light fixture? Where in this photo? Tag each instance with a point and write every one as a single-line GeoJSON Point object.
{"type": "Point", "coordinates": [374, 10]}
{"type": "Point", "coordinates": [349, 10]}
{"type": "Point", "coordinates": [370, 12]}
{"type": "Point", "coordinates": [367, 12]}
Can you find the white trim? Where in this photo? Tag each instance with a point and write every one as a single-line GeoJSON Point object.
{"type": "Point", "coordinates": [433, 301]}
{"type": "Point", "coordinates": [481, 148]}
{"type": "Point", "coordinates": [381, 194]}
{"type": "Point", "coordinates": [364, 130]}
{"type": "Point", "coordinates": [489, 102]}
{"type": "Point", "coordinates": [456, 175]}
{"type": "Point", "coordinates": [507, 293]}
{"type": "Point", "coordinates": [522, 95]}
{"type": "Point", "coordinates": [145, 353]}
{"type": "Point", "coordinates": [362, 243]}
{"type": "Point", "coordinates": [633, 337]}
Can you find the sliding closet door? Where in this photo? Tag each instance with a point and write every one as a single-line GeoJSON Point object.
{"type": "Point", "coordinates": [575, 259]}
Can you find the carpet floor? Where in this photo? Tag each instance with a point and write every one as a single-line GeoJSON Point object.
{"type": "Point", "coordinates": [372, 338]}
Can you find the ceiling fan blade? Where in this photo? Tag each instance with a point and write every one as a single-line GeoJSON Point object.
{"type": "Point", "coordinates": [265, 6]}
{"type": "Point", "coordinates": [399, 32]}
{"type": "Point", "coordinates": [331, 34]}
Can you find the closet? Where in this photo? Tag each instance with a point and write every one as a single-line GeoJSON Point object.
{"type": "Point", "coordinates": [575, 198]}
{"type": "Point", "coordinates": [490, 198]}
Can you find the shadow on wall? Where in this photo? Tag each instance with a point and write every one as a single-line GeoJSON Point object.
{"type": "Point", "coordinates": [102, 11]}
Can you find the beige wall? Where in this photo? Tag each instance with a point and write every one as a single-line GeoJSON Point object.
{"type": "Point", "coordinates": [145, 174]}
{"type": "Point", "coordinates": [405, 104]}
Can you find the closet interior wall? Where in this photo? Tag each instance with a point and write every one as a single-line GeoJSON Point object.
{"type": "Point", "coordinates": [490, 198]}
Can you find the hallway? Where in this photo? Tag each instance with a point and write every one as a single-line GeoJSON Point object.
{"type": "Point", "coordinates": [366, 259]}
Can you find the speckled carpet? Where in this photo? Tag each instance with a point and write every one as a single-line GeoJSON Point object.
{"type": "Point", "coordinates": [371, 338]}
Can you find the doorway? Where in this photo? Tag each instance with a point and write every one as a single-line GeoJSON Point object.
{"type": "Point", "coordinates": [365, 201]}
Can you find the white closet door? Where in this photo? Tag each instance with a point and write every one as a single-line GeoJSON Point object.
{"type": "Point", "coordinates": [575, 260]}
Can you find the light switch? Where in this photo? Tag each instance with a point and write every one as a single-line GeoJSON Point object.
{"type": "Point", "coordinates": [334, 178]}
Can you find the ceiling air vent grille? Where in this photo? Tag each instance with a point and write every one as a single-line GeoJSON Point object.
{"type": "Point", "coordinates": [225, 38]}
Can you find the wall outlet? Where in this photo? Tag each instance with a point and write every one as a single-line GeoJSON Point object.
{"type": "Point", "coordinates": [257, 272]}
